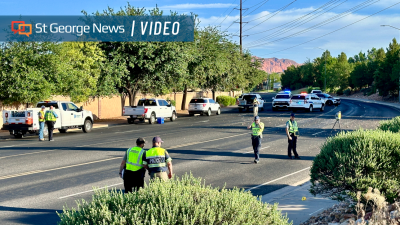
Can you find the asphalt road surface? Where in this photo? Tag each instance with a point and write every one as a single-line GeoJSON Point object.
{"type": "Point", "coordinates": [39, 178]}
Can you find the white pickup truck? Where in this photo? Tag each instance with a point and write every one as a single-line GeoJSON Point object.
{"type": "Point", "coordinates": [150, 109]}
{"type": "Point", "coordinates": [20, 122]}
{"type": "Point", "coordinates": [245, 102]}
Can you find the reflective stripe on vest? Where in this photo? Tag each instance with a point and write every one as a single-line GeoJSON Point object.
{"type": "Point", "coordinates": [41, 113]}
{"type": "Point", "coordinates": [134, 160]}
{"type": "Point", "coordinates": [156, 157]}
{"type": "Point", "coordinates": [49, 116]}
{"type": "Point", "coordinates": [257, 129]}
{"type": "Point", "coordinates": [293, 127]}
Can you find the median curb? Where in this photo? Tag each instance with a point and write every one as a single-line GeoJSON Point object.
{"type": "Point", "coordinates": [297, 202]}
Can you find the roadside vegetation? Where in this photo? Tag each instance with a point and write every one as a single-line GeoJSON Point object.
{"type": "Point", "coordinates": [180, 201]}
{"type": "Point", "coordinates": [33, 71]}
{"type": "Point", "coordinates": [375, 70]}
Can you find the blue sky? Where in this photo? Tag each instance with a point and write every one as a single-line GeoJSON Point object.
{"type": "Point", "coordinates": [291, 24]}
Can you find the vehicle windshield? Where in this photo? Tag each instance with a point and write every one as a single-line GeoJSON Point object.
{"type": "Point", "coordinates": [147, 102]}
{"type": "Point", "coordinates": [48, 104]}
{"type": "Point", "coordinates": [299, 97]}
{"type": "Point", "coordinates": [327, 96]}
{"type": "Point", "coordinates": [316, 91]}
{"type": "Point", "coordinates": [249, 97]}
{"type": "Point", "coordinates": [282, 96]}
{"type": "Point", "coordinates": [198, 100]}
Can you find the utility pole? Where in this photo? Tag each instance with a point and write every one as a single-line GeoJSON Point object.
{"type": "Point", "coordinates": [241, 26]}
{"type": "Point", "coordinates": [399, 54]}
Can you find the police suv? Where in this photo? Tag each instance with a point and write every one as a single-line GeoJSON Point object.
{"type": "Point", "coordinates": [305, 101]}
{"type": "Point", "coordinates": [329, 100]}
{"type": "Point", "coordinates": [281, 101]}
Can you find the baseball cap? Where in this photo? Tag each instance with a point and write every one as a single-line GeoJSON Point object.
{"type": "Point", "coordinates": [157, 140]}
{"type": "Point", "coordinates": [43, 107]}
{"type": "Point", "coordinates": [140, 141]}
{"type": "Point", "coordinates": [256, 118]}
{"type": "Point", "coordinates": [292, 114]}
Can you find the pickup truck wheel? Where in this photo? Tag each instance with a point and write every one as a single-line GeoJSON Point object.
{"type": "Point", "coordinates": [262, 109]}
{"type": "Point", "coordinates": [311, 108]}
{"type": "Point", "coordinates": [329, 102]}
{"type": "Point", "coordinates": [240, 109]}
{"type": "Point", "coordinates": [219, 111]}
{"type": "Point", "coordinates": [131, 121]}
{"type": "Point", "coordinates": [173, 117]}
{"type": "Point", "coordinates": [152, 119]}
{"type": "Point", "coordinates": [63, 130]}
{"type": "Point", "coordinates": [322, 108]}
{"type": "Point", "coordinates": [209, 112]}
{"type": "Point", "coordinates": [87, 126]}
{"type": "Point", "coordinates": [191, 114]}
{"type": "Point", "coordinates": [274, 109]}
{"type": "Point", "coordinates": [248, 109]}
{"type": "Point", "coordinates": [18, 135]}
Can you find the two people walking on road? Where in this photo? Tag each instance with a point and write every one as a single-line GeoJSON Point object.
{"type": "Point", "coordinates": [292, 132]}
{"type": "Point", "coordinates": [257, 128]}
{"type": "Point", "coordinates": [136, 160]}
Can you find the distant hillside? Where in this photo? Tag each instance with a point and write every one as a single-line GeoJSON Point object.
{"type": "Point", "coordinates": [276, 65]}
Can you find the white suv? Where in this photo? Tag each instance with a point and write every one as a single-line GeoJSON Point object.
{"type": "Point", "coordinates": [203, 106]}
{"type": "Point", "coordinates": [316, 92]}
{"type": "Point", "coordinates": [281, 100]}
{"type": "Point", "coordinates": [306, 101]}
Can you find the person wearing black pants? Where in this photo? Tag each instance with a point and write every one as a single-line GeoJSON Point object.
{"type": "Point", "coordinates": [50, 127]}
{"type": "Point", "coordinates": [257, 128]}
{"type": "Point", "coordinates": [133, 180]}
{"type": "Point", "coordinates": [292, 132]}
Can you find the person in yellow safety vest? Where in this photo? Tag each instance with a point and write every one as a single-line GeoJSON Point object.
{"type": "Point", "coordinates": [257, 128]}
{"type": "Point", "coordinates": [51, 118]}
{"type": "Point", "coordinates": [131, 169]}
{"type": "Point", "coordinates": [41, 123]}
{"type": "Point", "coordinates": [157, 161]}
{"type": "Point", "coordinates": [292, 132]}
{"type": "Point", "coordinates": [255, 107]}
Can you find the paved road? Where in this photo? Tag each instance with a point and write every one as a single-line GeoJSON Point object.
{"type": "Point", "coordinates": [39, 178]}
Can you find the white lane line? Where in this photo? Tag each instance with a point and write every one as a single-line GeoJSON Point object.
{"type": "Point", "coordinates": [205, 121]}
{"type": "Point", "coordinates": [318, 132]}
{"type": "Point", "coordinates": [253, 150]}
{"type": "Point", "coordinates": [89, 191]}
{"type": "Point", "coordinates": [59, 168]}
{"type": "Point", "coordinates": [277, 179]}
{"type": "Point", "coordinates": [30, 153]}
{"type": "Point", "coordinates": [7, 146]}
{"type": "Point", "coordinates": [316, 211]}
{"type": "Point", "coordinates": [126, 131]}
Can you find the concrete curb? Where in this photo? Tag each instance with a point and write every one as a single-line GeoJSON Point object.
{"type": "Point", "coordinates": [373, 101]}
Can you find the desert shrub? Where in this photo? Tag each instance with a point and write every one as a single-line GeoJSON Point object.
{"type": "Point", "coordinates": [347, 92]}
{"type": "Point", "coordinates": [392, 125]}
{"type": "Point", "coordinates": [226, 100]}
{"type": "Point", "coordinates": [357, 160]}
{"type": "Point", "coordinates": [179, 201]}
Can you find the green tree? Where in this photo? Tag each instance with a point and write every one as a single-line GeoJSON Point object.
{"type": "Point", "coordinates": [387, 80]}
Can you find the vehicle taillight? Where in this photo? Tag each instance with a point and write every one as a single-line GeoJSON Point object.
{"type": "Point", "coordinates": [305, 101]}
{"type": "Point", "coordinates": [237, 102]}
{"type": "Point", "coordinates": [29, 121]}
{"type": "Point", "coordinates": [6, 115]}
{"type": "Point", "coordinates": [145, 110]}
{"type": "Point", "coordinates": [123, 111]}
{"type": "Point", "coordinates": [204, 105]}
{"type": "Point", "coordinates": [29, 114]}
{"type": "Point", "coordinates": [290, 101]}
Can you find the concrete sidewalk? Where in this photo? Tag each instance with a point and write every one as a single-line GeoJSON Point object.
{"type": "Point", "coordinates": [291, 203]}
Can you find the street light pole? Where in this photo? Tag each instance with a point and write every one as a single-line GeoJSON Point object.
{"type": "Point", "coordinates": [399, 54]}
{"type": "Point", "coordinates": [325, 68]}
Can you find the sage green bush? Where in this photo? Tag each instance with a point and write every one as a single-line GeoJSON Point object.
{"type": "Point", "coordinates": [226, 100]}
{"type": "Point", "coordinates": [357, 160]}
{"type": "Point", "coordinates": [390, 125]}
{"type": "Point", "coordinates": [179, 201]}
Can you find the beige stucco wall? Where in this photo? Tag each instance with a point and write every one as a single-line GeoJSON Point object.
{"type": "Point", "coordinates": [110, 107]}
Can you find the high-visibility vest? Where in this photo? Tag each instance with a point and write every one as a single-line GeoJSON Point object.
{"type": "Point", "coordinates": [257, 128]}
{"type": "Point", "coordinates": [156, 157]}
{"type": "Point", "coordinates": [134, 160]}
{"type": "Point", "coordinates": [49, 116]}
{"type": "Point", "coordinates": [41, 114]}
{"type": "Point", "coordinates": [255, 102]}
{"type": "Point", "coordinates": [293, 127]}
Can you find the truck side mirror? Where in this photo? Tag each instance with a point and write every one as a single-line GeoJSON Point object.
{"type": "Point", "coordinates": [81, 108]}
{"type": "Point", "coordinates": [273, 98]}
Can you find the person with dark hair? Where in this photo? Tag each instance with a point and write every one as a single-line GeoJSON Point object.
{"type": "Point", "coordinates": [157, 161]}
{"type": "Point", "coordinates": [131, 169]}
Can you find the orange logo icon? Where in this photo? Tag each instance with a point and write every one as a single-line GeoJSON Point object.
{"type": "Point", "coordinates": [21, 28]}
